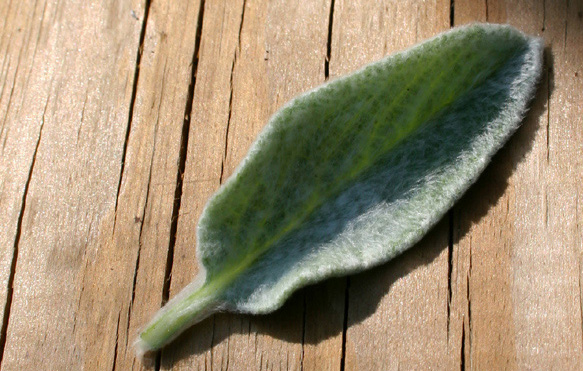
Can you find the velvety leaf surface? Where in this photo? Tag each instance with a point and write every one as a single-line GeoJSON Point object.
{"type": "Point", "coordinates": [350, 174]}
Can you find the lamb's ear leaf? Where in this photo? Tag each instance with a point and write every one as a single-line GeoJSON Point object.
{"type": "Point", "coordinates": [349, 175]}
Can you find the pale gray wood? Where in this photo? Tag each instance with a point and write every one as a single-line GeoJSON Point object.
{"type": "Point", "coordinates": [89, 259]}
{"type": "Point", "coordinates": [64, 130]}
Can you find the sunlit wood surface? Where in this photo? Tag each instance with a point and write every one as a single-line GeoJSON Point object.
{"type": "Point", "coordinates": [118, 120]}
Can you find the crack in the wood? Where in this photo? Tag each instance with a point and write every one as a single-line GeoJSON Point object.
{"type": "Point", "coordinates": [10, 288]}
{"type": "Point", "coordinates": [138, 254]}
{"type": "Point", "coordinates": [24, 43]}
{"type": "Point", "coordinates": [182, 157]}
{"type": "Point", "coordinates": [345, 325]}
{"type": "Point", "coordinates": [228, 347]}
{"type": "Point", "coordinates": [128, 318]}
{"type": "Point", "coordinates": [463, 349]}
{"type": "Point", "coordinates": [329, 41]}
{"type": "Point", "coordinates": [469, 314]}
{"type": "Point", "coordinates": [77, 311]}
{"type": "Point", "coordinates": [566, 22]}
{"type": "Point", "coordinates": [449, 267]}
{"type": "Point", "coordinates": [303, 331]}
{"type": "Point", "coordinates": [116, 343]}
{"type": "Point", "coordinates": [237, 51]}
{"type": "Point", "coordinates": [82, 116]}
{"type": "Point", "coordinates": [181, 166]}
{"type": "Point", "coordinates": [212, 343]}
{"type": "Point", "coordinates": [487, 13]}
{"type": "Point", "coordinates": [580, 303]}
{"type": "Point", "coordinates": [145, 209]}
{"type": "Point", "coordinates": [451, 12]}
{"type": "Point", "coordinates": [550, 76]}
{"type": "Point", "coordinates": [469, 300]}
{"type": "Point", "coordinates": [546, 208]}
{"type": "Point", "coordinates": [158, 361]}
{"type": "Point", "coordinates": [577, 223]}
{"type": "Point", "coordinates": [544, 16]}
{"type": "Point", "coordinates": [228, 123]}
{"type": "Point", "coordinates": [132, 104]}
{"type": "Point", "coordinates": [255, 347]}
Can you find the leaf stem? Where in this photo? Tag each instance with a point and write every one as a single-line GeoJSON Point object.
{"type": "Point", "coordinates": [178, 315]}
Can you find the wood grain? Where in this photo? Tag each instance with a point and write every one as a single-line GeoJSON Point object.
{"type": "Point", "coordinates": [19, 142]}
{"type": "Point", "coordinates": [68, 107]}
{"type": "Point", "coordinates": [118, 120]}
{"type": "Point", "coordinates": [145, 217]}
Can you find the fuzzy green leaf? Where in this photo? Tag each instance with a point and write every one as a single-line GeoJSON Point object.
{"type": "Point", "coordinates": [349, 175]}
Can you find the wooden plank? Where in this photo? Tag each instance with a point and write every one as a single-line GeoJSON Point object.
{"type": "Point", "coordinates": [481, 306]}
{"type": "Point", "coordinates": [397, 313]}
{"type": "Point", "coordinates": [254, 57]}
{"type": "Point", "coordinates": [18, 42]}
{"type": "Point", "coordinates": [91, 189]}
{"type": "Point", "coordinates": [65, 124]}
{"type": "Point", "coordinates": [146, 207]}
{"type": "Point", "coordinates": [210, 111]}
{"type": "Point", "coordinates": [141, 223]}
{"type": "Point", "coordinates": [517, 249]}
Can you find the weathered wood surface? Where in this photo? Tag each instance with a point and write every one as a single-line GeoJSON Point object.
{"type": "Point", "coordinates": [120, 118]}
